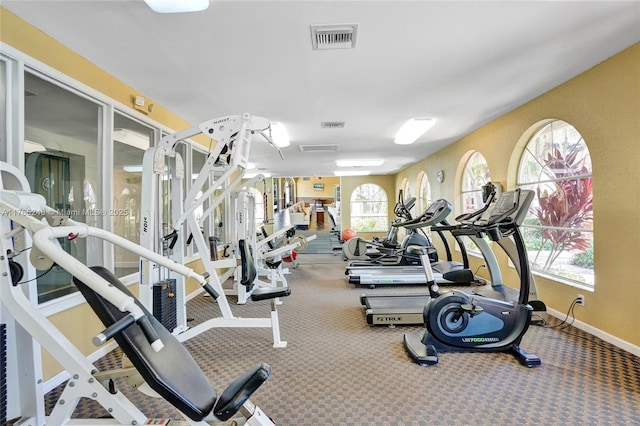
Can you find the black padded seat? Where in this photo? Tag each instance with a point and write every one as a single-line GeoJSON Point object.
{"type": "Point", "coordinates": [239, 391]}
{"type": "Point", "coordinates": [273, 264]}
{"type": "Point", "coordinates": [264, 293]}
{"type": "Point", "coordinates": [171, 372]}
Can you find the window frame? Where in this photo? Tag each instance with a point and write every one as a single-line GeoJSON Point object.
{"type": "Point", "coordinates": [425, 199]}
{"type": "Point", "coordinates": [550, 181]}
{"type": "Point", "coordinates": [17, 64]}
{"type": "Point", "coordinates": [470, 246]}
{"type": "Point", "coordinates": [382, 218]}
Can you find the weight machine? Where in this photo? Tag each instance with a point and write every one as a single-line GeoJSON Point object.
{"type": "Point", "coordinates": [223, 170]}
{"type": "Point", "coordinates": [244, 229]}
{"type": "Point", "coordinates": [28, 224]}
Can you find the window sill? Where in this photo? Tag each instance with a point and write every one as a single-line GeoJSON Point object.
{"type": "Point", "coordinates": [560, 280]}
{"type": "Point", "coordinates": [69, 301]}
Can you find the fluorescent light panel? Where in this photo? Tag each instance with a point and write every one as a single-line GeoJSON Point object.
{"type": "Point", "coordinates": [131, 138]}
{"type": "Point", "coordinates": [412, 130]}
{"type": "Point", "coordinates": [352, 172]}
{"type": "Point", "coordinates": [133, 168]}
{"type": "Point", "coordinates": [279, 135]}
{"type": "Point", "coordinates": [177, 6]}
{"type": "Point", "coordinates": [359, 163]}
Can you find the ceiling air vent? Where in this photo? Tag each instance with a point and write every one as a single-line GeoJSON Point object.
{"type": "Point", "coordinates": [332, 124]}
{"type": "Point", "coordinates": [318, 148]}
{"type": "Point", "coordinates": [334, 36]}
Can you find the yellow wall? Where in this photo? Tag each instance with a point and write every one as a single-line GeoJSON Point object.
{"type": "Point", "coordinates": [604, 106]}
{"type": "Point", "coordinates": [304, 188]}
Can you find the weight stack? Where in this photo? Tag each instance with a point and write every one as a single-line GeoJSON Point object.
{"type": "Point", "coordinates": [3, 377]}
{"type": "Point", "coordinates": [164, 303]}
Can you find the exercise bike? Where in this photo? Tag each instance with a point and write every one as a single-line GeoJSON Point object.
{"type": "Point", "coordinates": [457, 321]}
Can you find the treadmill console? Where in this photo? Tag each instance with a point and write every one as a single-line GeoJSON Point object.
{"type": "Point", "coordinates": [437, 212]}
{"type": "Point", "coordinates": [510, 207]}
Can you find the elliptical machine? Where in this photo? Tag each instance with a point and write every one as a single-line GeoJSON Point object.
{"type": "Point", "coordinates": [388, 251]}
{"type": "Point", "coordinates": [456, 321]}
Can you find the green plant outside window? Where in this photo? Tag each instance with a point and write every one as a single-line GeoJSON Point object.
{"type": "Point", "coordinates": [559, 226]}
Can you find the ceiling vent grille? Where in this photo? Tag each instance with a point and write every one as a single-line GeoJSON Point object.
{"type": "Point", "coordinates": [332, 124]}
{"type": "Point", "coordinates": [318, 148]}
{"type": "Point", "coordinates": [335, 36]}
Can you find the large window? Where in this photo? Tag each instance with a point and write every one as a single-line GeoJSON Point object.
{"type": "Point", "coordinates": [130, 140]}
{"type": "Point", "coordinates": [61, 164]}
{"type": "Point", "coordinates": [83, 154]}
{"type": "Point", "coordinates": [369, 212]}
{"type": "Point", "coordinates": [559, 226]}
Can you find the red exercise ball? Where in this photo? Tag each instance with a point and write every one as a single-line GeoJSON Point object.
{"type": "Point", "coordinates": [291, 258]}
{"type": "Point", "coordinates": [347, 234]}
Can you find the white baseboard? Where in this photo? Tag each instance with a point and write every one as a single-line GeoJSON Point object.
{"type": "Point", "coordinates": [622, 344]}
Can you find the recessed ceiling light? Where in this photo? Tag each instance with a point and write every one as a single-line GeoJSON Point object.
{"type": "Point", "coordinates": [279, 135]}
{"type": "Point", "coordinates": [412, 130]}
{"type": "Point", "coordinates": [352, 172]}
{"type": "Point", "coordinates": [359, 163]}
{"type": "Point", "coordinates": [177, 6]}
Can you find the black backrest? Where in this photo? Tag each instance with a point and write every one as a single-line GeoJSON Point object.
{"type": "Point", "coordinates": [249, 271]}
{"type": "Point", "coordinates": [171, 372]}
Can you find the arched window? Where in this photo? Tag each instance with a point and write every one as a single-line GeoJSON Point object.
{"type": "Point", "coordinates": [558, 229]}
{"type": "Point", "coordinates": [424, 191]}
{"type": "Point", "coordinates": [369, 212]}
{"type": "Point", "coordinates": [406, 188]}
{"type": "Point", "coordinates": [475, 174]}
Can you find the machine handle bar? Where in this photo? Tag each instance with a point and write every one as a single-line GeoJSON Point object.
{"type": "Point", "coordinates": [126, 322]}
{"type": "Point", "coordinates": [115, 328]}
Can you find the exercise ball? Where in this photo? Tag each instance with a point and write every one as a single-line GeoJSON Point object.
{"type": "Point", "coordinates": [291, 258]}
{"type": "Point", "coordinates": [347, 234]}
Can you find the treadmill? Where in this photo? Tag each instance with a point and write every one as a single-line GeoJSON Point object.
{"type": "Point", "coordinates": [399, 308]}
{"type": "Point", "coordinates": [446, 272]}
{"type": "Point", "coordinates": [407, 308]}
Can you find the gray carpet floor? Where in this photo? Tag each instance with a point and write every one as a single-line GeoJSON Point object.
{"type": "Point", "coordinates": [338, 370]}
{"type": "Point", "coordinates": [323, 243]}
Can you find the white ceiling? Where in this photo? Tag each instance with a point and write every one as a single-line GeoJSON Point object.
{"type": "Point", "coordinates": [461, 63]}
